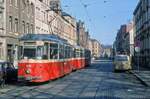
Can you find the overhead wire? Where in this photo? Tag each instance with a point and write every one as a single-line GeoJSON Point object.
{"type": "Point", "coordinates": [87, 13]}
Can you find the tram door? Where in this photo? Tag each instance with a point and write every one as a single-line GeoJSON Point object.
{"type": "Point", "coordinates": [61, 57]}
{"type": "Point", "coordinates": [67, 62]}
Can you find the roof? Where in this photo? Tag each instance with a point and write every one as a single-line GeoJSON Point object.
{"type": "Point", "coordinates": [42, 37]}
{"type": "Point", "coordinates": [66, 14]}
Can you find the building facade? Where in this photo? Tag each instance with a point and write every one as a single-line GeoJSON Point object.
{"type": "Point", "coordinates": [124, 43]}
{"type": "Point", "coordinates": [17, 19]}
{"type": "Point", "coordinates": [82, 35]}
{"type": "Point", "coordinates": [69, 28]}
{"type": "Point", "coordinates": [142, 32]}
{"type": "Point", "coordinates": [120, 39]}
{"type": "Point", "coordinates": [95, 48]}
{"type": "Point", "coordinates": [107, 51]}
{"type": "Point", "coordinates": [49, 19]}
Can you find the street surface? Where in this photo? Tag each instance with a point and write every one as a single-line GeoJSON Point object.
{"type": "Point", "coordinates": [95, 82]}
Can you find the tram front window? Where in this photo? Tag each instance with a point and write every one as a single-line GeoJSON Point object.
{"type": "Point", "coordinates": [30, 53]}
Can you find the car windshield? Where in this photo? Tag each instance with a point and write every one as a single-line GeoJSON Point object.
{"type": "Point", "coordinates": [121, 58]}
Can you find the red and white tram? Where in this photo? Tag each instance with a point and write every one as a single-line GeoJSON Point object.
{"type": "Point", "coordinates": [46, 57]}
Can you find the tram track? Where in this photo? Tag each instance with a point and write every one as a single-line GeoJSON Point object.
{"type": "Point", "coordinates": [19, 89]}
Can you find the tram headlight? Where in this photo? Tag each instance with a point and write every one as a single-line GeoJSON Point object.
{"type": "Point", "coordinates": [27, 71]}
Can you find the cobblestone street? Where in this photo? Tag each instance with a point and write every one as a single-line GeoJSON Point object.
{"type": "Point", "coordinates": [97, 81]}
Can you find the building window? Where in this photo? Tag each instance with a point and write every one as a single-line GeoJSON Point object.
{"type": "Point", "coordinates": [28, 29]}
{"type": "Point", "coordinates": [41, 0]}
{"type": "Point", "coordinates": [32, 8]}
{"type": "Point", "coordinates": [16, 25]}
{"type": "Point", "coordinates": [16, 3]}
{"type": "Point", "coordinates": [32, 28]}
{"type": "Point", "coordinates": [10, 1]}
{"type": "Point", "coordinates": [10, 23]}
{"type": "Point", "coordinates": [23, 27]}
{"type": "Point", "coordinates": [1, 51]}
{"type": "Point", "coordinates": [44, 17]}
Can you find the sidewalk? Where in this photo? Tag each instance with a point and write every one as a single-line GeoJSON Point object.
{"type": "Point", "coordinates": [143, 74]}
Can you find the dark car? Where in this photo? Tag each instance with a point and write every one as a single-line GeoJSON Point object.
{"type": "Point", "coordinates": [2, 76]}
{"type": "Point", "coordinates": [8, 72]}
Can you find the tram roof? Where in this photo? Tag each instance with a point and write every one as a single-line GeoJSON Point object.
{"type": "Point", "coordinates": [42, 37]}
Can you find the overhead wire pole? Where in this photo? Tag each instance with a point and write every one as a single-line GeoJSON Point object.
{"type": "Point", "coordinates": [54, 17]}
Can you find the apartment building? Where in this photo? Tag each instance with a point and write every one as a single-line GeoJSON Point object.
{"type": "Point", "coordinates": [69, 28]}
{"type": "Point", "coordinates": [49, 19]}
{"type": "Point", "coordinates": [17, 18]}
{"type": "Point", "coordinates": [142, 31]}
{"type": "Point", "coordinates": [124, 43]}
{"type": "Point", "coordinates": [82, 35]}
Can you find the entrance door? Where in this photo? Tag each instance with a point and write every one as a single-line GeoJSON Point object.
{"type": "Point", "coordinates": [10, 53]}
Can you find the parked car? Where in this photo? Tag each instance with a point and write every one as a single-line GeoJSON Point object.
{"type": "Point", "coordinates": [8, 72]}
{"type": "Point", "coordinates": [122, 63]}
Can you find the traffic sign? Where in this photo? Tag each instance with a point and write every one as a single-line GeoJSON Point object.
{"type": "Point", "coordinates": [137, 46]}
{"type": "Point", "coordinates": [137, 49]}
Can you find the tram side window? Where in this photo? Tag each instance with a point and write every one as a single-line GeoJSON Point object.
{"type": "Point", "coordinates": [45, 53]}
{"type": "Point", "coordinates": [53, 51]}
{"type": "Point", "coordinates": [67, 52]}
{"type": "Point", "coordinates": [81, 53]}
{"type": "Point", "coordinates": [78, 53]}
{"type": "Point", "coordinates": [61, 52]}
{"type": "Point", "coordinates": [71, 53]}
{"type": "Point", "coordinates": [39, 52]}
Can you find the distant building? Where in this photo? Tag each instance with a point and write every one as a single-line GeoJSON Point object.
{"type": "Point", "coordinates": [107, 51]}
{"type": "Point", "coordinates": [128, 44]}
{"type": "Point", "coordinates": [124, 43]}
{"type": "Point", "coordinates": [120, 39]}
{"type": "Point", "coordinates": [82, 35]}
{"type": "Point", "coordinates": [95, 48]}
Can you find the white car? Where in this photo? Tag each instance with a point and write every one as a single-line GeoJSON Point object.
{"type": "Point", "coordinates": [122, 63]}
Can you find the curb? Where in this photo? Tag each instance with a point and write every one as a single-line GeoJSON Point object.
{"type": "Point", "coordinates": [139, 78]}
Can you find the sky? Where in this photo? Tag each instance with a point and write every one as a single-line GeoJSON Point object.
{"type": "Point", "coordinates": [102, 18]}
